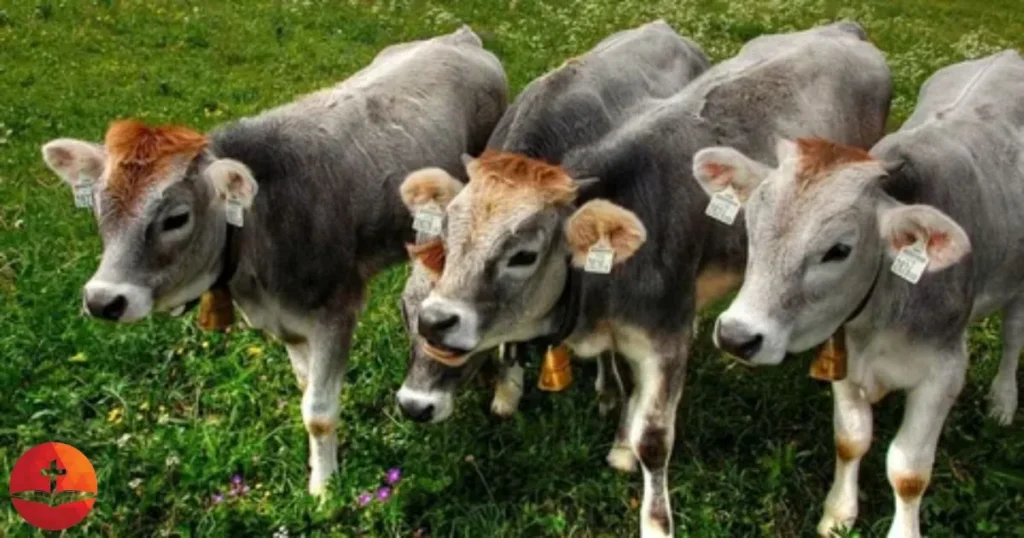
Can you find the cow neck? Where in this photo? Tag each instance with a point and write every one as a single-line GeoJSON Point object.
{"type": "Point", "coordinates": [229, 260]}
{"type": "Point", "coordinates": [867, 296]}
{"type": "Point", "coordinates": [566, 309]}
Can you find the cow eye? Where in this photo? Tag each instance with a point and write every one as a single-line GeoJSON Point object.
{"type": "Point", "coordinates": [523, 258]}
{"type": "Point", "coordinates": [174, 222]}
{"type": "Point", "coordinates": [837, 253]}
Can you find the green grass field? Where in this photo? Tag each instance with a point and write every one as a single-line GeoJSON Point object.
{"type": "Point", "coordinates": [168, 414]}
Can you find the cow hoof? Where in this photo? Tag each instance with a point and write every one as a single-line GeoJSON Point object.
{"type": "Point", "coordinates": [830, 525]}
{"type": "Point", "coordinates": [503, 409]}
{"type": "Point", "coordinates": [318, 489]}
{"type": "Point", "coordinates": [621, 458]}
{"type": "Point", "coordinates": [650, 529]}
{"type": "Point", "coordinates": [1002, 403]}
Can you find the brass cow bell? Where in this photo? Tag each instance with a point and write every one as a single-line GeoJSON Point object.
{"type": "Point", "coordinates": [830, 364]}
{"type": "Point", "coordinates": [216, 311]}
{"type": "Point", "coordinates": [556, 370]}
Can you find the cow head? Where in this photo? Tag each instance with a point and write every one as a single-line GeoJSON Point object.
{"type": "Point", "coordinates": [820, 231]}
{"type": "Point", "coordinates": [159, 199]}
{"type": "Point", "coordinates": [427, 393]}
{"type": "Point", "coordinates": [508, 240]}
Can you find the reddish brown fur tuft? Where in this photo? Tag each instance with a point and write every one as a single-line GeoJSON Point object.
{"type": "Point", "coordinates": [319, 428]}
{"type": "Point", "coordinates": [139, 153]}
{"type": "Point", "coordinates": [431, 254]}
{"type": "Point", "coordinates": [847, 450]}
{"type": "Point", "coordinates": [909, 487]}
{"type": "Point", "coordinates": [518, 171]}
{"type": "Point", "coordinates": [817, 157]}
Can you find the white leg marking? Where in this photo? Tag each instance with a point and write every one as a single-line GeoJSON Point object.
{"type": "Point", "coordinates": [621, 457]}
{"type": "Point", "coordinates": [328, 351]}
{"type": "Point", "coordinates": [508, 391]}
{"type": "Point", "coordinates": [912, 453]}
{"type": "Point", "coordinates": [852, 421]}
{"type": "Point", "coordinates": [298, 355]}
{"type": "Point", "coordinates": [1002, 395]}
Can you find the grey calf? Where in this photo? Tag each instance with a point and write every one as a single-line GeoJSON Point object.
{"type": "Point", "coordinates": [326, 217]}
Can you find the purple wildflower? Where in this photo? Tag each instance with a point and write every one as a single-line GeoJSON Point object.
{"type": "Point", "coordinates": [383, 494]}
{"type": "Point", "coordinates": [236, 480]}
{"type": "Point", "coordinates": [393, 476]}
{"type": "Point", "coordinates": [365, 498]}
{"type": "Point", "coordinates": [217, 498]}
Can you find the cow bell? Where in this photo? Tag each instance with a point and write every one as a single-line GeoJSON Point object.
{"type": "Point", "coordinates": [556, 370]}
{"type": "Point", "coordinates": [216, 311]}
{"type": "Point", "coordinates": [830, 364]}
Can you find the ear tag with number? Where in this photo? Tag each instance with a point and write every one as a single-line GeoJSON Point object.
{"type": "Point", "coordinates": [428, 220]}
{"type": "Point", "coordinates": [233, 212]}
{"type": "Point", "coordinates": [83, 192]}
{"type": "Point", "coordinates": [724, 206]}
{"type": "Point", "coordinates": [600, 258]}
{"type": "Point", "coordinates": [911, 262]}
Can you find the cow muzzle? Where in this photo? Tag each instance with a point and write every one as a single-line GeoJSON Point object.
{"type": "Point", "coordinates": [450, 330]}
{"type": "Point", "coordinates": [425, 406]}
{"type": "Point", "coordinates": [749, 340]}
{"type": "Point", "coordinates": [116, 302]}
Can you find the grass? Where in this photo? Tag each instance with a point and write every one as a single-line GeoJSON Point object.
{"type": "Point", "coordinates": [167, 413]}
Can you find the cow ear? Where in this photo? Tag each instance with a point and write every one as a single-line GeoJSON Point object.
{"type": "Point", "coordinates": [429, 186]}
{"type": "Point", "coordinates": [74, 160]}
{"type": "Point", "coordinates": [719, 168]}
{"type": "Point", "coordinates": [233, 181]}
{"type": "Point", "coordinates": [600, 221]}
{"type": "Point", "coordinates": [945, 241]}
{"type": "Point", "coordinates": [430, 255]}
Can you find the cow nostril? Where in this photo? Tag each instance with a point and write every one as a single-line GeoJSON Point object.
{"type": "Point", "coordinates": [432, 325]}
{"type": "Point", "coordinates": [751, 347]}
{"type": "Point", "coordinates": [737, 342]}
{"type": "Point", "coordinates": [114, 309]}
{"type": "Point", "coordinates": [446, 322]}
{"type": "Point", "coordinates": [414, 412]}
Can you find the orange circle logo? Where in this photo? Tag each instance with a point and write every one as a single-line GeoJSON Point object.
{"type": "Point", "coordinates": [53, 486]}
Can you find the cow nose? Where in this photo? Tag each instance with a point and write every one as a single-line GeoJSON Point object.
{"type": "Point", "coordinates": [418, 411]}
{"type": "Point", "coordinates": [434, 322]}
{"type": "Point", "coordinates": [735, 339]}
{"type": "Point", "coordinates": [106, 307]}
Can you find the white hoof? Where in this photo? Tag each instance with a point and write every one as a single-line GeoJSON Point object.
{"type": "Point", "coordinates": [503, 408]}
{"type": "Point", "coordinates": [1002, 402]}
{"type": "Point", "coordinates": [621, 458]}
{"type": "Point", "coordinates": [831, 524]}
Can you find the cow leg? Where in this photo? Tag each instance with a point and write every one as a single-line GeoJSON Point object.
{"type": "Point", "coordinates": [508, 389]}
{"type": "Point", "coordinates": [658, 382]}
{"type": "Point", "coordinates": [912, 453]}
{"type": "Point", "coordinates": [852, 421]}
{"type": "Point", "coordinates": [608, 384]}
{"type": "Point", "coordinates": [1003, 393]}
{"type": "Point", "coordinates": [328, 353]}
{"type": "Point", "coordinates": [621, 457]}
{"type": "Point", "coordinates": [298, 355]}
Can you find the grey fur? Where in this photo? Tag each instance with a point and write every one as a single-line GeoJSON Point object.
{"type": "Point", "coordinates": [572, 106]}
{"type": "Point", "coordinates": [961, 153]}
{"type": "Point", "coordinates": [825, 82]}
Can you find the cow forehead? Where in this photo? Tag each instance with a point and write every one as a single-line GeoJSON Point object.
{"type": "Point", "coordinates": [822, 179]}
{"type": "Point", "coordinates": [139, 156]}
{"type": "Point", "coordinates": [505, 189]}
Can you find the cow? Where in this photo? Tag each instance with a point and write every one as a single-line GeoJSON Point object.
{"type": "Point", "coordinates": [900, 249]}
{"type": "Point", "coordinates": [427, 393]}
{"type": "Point", "coordinates": [292, 210]}
{"type": "Point", "coordinates": [570, 106]}
{"type": "Point", "coordinates": [518, 233]}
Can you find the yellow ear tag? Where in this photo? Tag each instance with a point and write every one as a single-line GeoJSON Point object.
{"type": "Point", "coordinates": [216, 312]}
{"type": "Point", "coordinates": [556, 370]}
{"type": "Point", "coordinates": [830, 364]}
